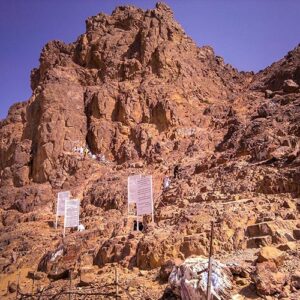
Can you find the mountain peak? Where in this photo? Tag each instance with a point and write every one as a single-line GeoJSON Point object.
{"type": "Point", "coordinates": [135, 95]}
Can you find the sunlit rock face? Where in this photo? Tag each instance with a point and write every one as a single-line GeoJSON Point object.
{"type": "Point", "coordinates": [127, 84]}
{"type": "Point", "coordinates": [137, 92]}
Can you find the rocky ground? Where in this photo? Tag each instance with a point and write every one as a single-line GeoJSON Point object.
{"type": "Point", "coordinates": [135, 88]}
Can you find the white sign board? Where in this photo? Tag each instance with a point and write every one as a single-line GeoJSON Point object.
{"type": "Point", "coordinates": [60, 206]}
{"type": "Point", "coordinates": [144, 196]}
{"type": "Point", "coordinates": [72, 209]}
{"type": "Point", "coordinates": [132, 188]}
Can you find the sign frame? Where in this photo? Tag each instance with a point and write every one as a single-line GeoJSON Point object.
{"type": "Point", "coordinates": [61, 198]}
{"type": "Point", "coordinates": [66, 214]}
{"type": "Point", "coordinates": [132, 184]}
{"type": "Point", "coordinates": [148, 193]}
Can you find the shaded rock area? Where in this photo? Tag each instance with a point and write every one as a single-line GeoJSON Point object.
{"type": "Point", "coordinates": [137, 92]}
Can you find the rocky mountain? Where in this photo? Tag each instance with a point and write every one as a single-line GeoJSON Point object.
{"type": "Point", "coordinates": [135, 90]}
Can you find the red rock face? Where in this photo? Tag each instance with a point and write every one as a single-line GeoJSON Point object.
{"type": "Point", "coordinates": [131, 81]}
{"type": "Point", "coordinates": [136, 89]}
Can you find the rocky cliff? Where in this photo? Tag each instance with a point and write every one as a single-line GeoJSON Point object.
{"type": "Point", "coordinates": [135, 89]}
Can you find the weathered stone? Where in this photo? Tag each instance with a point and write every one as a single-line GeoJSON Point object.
{"type": "Point", "coordinates": [87, 276]}
{"type": "Point", "coordinates": [257, 242]}
{"type": "Point", "coordinates": [288, 246]}
{"type": "Point", "coordinates": [166, 269]}
{"type": "Point", "coordinates": [268, 279]}
{"type": "Point", "coordinates": [296, 233]}
{"type": "Point", "coordinates": [258, 230]}
{"type": "Point", "coordinates": [12, 287]}
{"type": "Point", "coordinates": [290, 86]}
{"type": "Point", "coordinates": [36, 275]}
{"type": "Point", "coordinates": [153, 251]}
{"type": "Point", "coordinates": [295, 280]}
{"type": "Point", "coordinates": [237, 270]}
{"type": "Point", "coordinates": [271, 254]}
{"type": "Point", "coordinates": [120, 250]}
{"type": "Point", "coordinates": [145, 99]}
{"type": "Point", "coordinates": [242, 281]}
{"type": "Point", "coordinates": [58, 264]}
{"type": "Point", "coordinates": [269, 94]}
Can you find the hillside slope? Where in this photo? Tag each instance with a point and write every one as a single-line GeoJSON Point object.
{"type": "Point", "coordinates": [135, 89]}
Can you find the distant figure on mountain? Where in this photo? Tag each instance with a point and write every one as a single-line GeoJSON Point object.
{"type": "Point", "coordinates": [101, 158]}
{"type": "Point", "coordinates": [176, 171]}
{"type": "Point", "coordinates": [85, 152]}
{"type": "Point", "coordinates": [166, 183]}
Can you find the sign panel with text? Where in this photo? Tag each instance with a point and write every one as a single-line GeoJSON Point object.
{"type": "Point", "coordinates": [72, 210]}
{"type": "Point", "coordinates": [60, 206]}
{"type": "Point", "coordinates": [144, 196]}
{"type": "Point", "coordinates": [132, 188]}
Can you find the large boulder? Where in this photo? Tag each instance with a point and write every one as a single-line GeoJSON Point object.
{"type": "Point", "coordinates": [271, 254]}
{"type": "Point", "coordinates": [290, 86]}
{"type": "Point", "coordinates": [167, 268]}
{"type": "Point", "coordinates": [295, 280]}
{"type": "Point", "coordinates": [157, 248]}
{"type": "Point", "coordinates": [58, 264]}
{"type": "Point", "coordinates": [268, 280]}
{"type": "Point", "coordinates": [118, 249]}
{"type": "Point", "coordinates": [189, 280]}
{"type": "Point", "coordinates": [87, 276]}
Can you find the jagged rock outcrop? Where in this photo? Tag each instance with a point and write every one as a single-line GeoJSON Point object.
{"type": "Point", "coordinates": [138, 92]}
{"type": "Point", "coordinates": [124, 86]}
{"type": "Point", "coordinates": [274, 77]}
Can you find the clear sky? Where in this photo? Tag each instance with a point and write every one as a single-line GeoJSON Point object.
{"type": "Point", "coordinates": [249, 34]}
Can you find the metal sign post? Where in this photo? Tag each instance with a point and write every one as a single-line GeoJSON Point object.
{"type": "Point", "coordinates": [152, 204]}
{"type": "Point", "coordinates": [18, 286]}
{"type": "Point", "coordinates": [128, 182]}
{"type": "Point", "coordinates": [117, 282]}
{"type": "Point", "coordinates": [210, 262]}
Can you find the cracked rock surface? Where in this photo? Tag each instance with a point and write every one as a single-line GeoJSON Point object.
{"type": "Point", "coordinates": [136, 89]}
